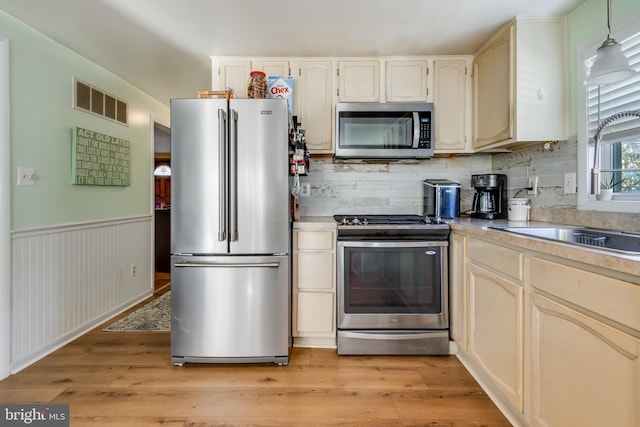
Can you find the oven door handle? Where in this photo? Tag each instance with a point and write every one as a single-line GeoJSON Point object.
{"type": "Point", "coordinates": [397, 336]}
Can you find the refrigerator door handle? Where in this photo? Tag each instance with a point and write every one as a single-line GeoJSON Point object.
{"type": "Point", "coordinates": [222, 176]}
{"type": "Point", "coordinates": [233, 174]}
{"type": "Point", "coordinates": [221, 265]}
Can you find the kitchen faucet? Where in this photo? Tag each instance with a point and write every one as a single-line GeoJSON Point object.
{"type": "Point", "coordinates": [595, 171]}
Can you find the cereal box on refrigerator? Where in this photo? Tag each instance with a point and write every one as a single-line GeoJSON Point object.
{"type": "Point", "coordinates": [281, 87]}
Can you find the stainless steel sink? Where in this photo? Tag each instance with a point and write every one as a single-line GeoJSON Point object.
{"type": "Point", "coordinates": [605, 239]}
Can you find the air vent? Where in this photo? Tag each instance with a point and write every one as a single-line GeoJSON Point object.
{"type": "Point", "coordinates": [95, 101]}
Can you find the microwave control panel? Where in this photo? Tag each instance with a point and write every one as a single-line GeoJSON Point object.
{"type": "Point", "coordinates": [425, 131]}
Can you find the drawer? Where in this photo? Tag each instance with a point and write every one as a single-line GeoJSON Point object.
{"type": "Point", "coordinates": [497, 258]}
{"type": "Point", "coordinates": [315, 240]}
{"type": "Point", "coordinates": [612, 298]}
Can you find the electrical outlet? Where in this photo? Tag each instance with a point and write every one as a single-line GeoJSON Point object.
{"type": "Point", "coordinates": [533, 184]}
{"type": "Point", "coordinates": [133, 270]}
{"type": "Point", "coordinates": [570, 183]}
{"type": "Point", "coordinates": [306, 189]}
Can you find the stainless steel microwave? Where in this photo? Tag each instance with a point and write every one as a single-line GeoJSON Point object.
{"type": "Point", "coordinates": [384, 131]}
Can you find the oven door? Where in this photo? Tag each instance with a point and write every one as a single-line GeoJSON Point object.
{"type": "Point", "coordinates": [392, 285]}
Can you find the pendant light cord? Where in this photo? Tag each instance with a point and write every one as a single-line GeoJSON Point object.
{"type": "Point", "coordinates": [609, 18]}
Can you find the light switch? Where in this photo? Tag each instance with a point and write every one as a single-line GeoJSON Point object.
{"type": "Point", "coordinates": [570, 183]}
{"type": "Point", "coordinates": [26, 176]}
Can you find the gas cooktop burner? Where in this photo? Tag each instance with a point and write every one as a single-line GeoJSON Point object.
{"type": "Point", "coordinates": [403, 227]}
{"type": "Point", "coordinates": [385, 220]}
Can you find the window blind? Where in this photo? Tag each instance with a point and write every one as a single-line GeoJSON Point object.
{"type": "Point", "coordinates": [616, 97]}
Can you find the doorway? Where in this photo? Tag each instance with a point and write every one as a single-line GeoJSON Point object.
{"type": "Point", "coordinates": [162, 204]}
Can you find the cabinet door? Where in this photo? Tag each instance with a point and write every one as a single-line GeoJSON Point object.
{"type": "Point", "coordinates": [234, 74]}
{"type": "Point", "coordinates": [273, 67]}
{"type": "Point", "coordinates": [583, 372]}
{"type": "Point", "coordinates": [315, 313]}
{"type": "Point", "coordinates": [407, 81]}
{"type": "Point", "coordinates": [450, 104]}
{"type": "Point", "coordinates": [496, 320]}
{"type": "Point", "coordinates": [458, 289]}
{"type": "Point", "coordinates": [493, 91]}
{"type": "Point", "coordinates": [359, 81]}
{"type": "Point", "coordinates": [315, 104]}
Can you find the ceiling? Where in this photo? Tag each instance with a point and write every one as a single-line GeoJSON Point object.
{"type": "Point", "coordinates": [163, 46]}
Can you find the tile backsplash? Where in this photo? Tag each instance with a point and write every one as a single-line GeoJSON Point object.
{"type": "Point", "coordinates": [396, 187]}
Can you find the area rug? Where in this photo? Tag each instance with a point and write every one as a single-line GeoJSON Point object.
{"type": "Point", "coordinates": [153, 316]}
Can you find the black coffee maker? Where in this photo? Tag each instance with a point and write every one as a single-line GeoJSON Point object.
{"type": "Point", "coordinates": [490, 200]}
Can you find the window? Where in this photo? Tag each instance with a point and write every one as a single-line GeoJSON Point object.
{"type": "Point", "coordinates": [620, 143]}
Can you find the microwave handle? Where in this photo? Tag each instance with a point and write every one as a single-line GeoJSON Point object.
{"type": "Point", "coordinates": [416, 129]}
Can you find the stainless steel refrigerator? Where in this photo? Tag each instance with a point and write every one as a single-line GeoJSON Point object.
{"type": "Point", "coordinates": [230, 231]}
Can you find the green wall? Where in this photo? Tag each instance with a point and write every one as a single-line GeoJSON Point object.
{"type": "Point", "coordinates": [42, 116]}
{"type": "Point", "coordinates": [588, 22]}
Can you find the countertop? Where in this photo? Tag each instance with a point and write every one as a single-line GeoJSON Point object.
{"type": "Point", "coordinates": [626, 264]}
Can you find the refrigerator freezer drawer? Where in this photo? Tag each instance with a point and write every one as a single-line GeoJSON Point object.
{"type": "Point", "coordinates": [230, 309]}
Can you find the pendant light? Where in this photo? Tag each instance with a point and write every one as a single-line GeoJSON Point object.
{"type": "Point", "coordinates": [611, 65]}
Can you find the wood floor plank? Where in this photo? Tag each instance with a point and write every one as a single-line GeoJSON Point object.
{"type": "Point", "coordinates": [253, 402]}
{"type": "Point", "coordinates": [370, 377]}
{"type": "Point", "coordinates": [127, 379]}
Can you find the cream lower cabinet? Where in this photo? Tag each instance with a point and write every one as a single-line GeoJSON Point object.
{"type": "Point", "coordinates": [554, 343]}
{"type": "Point", "coordinates": [496, 316]}
{"type": "Point", "coordinates": [458, 289]}
{"type": "Point", "coordinates": [496, 326]}
{"type": "Point", "coordinates": [314, 272]}
{"type": "Point", "coordinates": [583, 372]}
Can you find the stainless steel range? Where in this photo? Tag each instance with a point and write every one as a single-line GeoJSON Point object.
{"type": "Point", "coordinates": [392, 285]}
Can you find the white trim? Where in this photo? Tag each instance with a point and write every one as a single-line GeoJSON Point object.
{"type": "Point", "coordinates": [584, 51]}
{"type": "Point", "coordinates": [74, 226]}
{"type": "Point", "coordinates": [5, 213]}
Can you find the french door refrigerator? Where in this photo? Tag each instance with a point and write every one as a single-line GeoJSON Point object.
{"type": "Point", "coordinates": [230, 231]}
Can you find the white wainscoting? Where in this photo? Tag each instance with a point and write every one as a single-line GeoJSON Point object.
{"type": "Point", "coordinates": [68, 279]}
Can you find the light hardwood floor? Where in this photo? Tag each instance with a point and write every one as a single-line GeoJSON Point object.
{"type": "Point", "coordinates": [127, 379]}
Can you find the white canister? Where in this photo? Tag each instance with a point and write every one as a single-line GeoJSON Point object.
{"type": "Point", "coordinates": [518, 209]}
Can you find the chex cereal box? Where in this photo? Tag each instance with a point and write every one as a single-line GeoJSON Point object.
{"type": "Point", "coordinates": [281, 87]}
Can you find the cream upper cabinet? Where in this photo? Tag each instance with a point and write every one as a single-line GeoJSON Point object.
{"type": "Point", "coordinates": [233, 73]}
{"type": "Point", "coordinates": [583, 372]}
{"type": "Point", "coordinates": [451, 98]}
{"type": "Point", "coordinates": [407, 81]}
{"type": "Point", "coordinates": [520, 84]}
{"type": "Point", "coordinates": [359, 81]}
{"type": "Point", "coordinates": [315, 104]}
{"type": "Point", "coordinates": [273, 67]}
